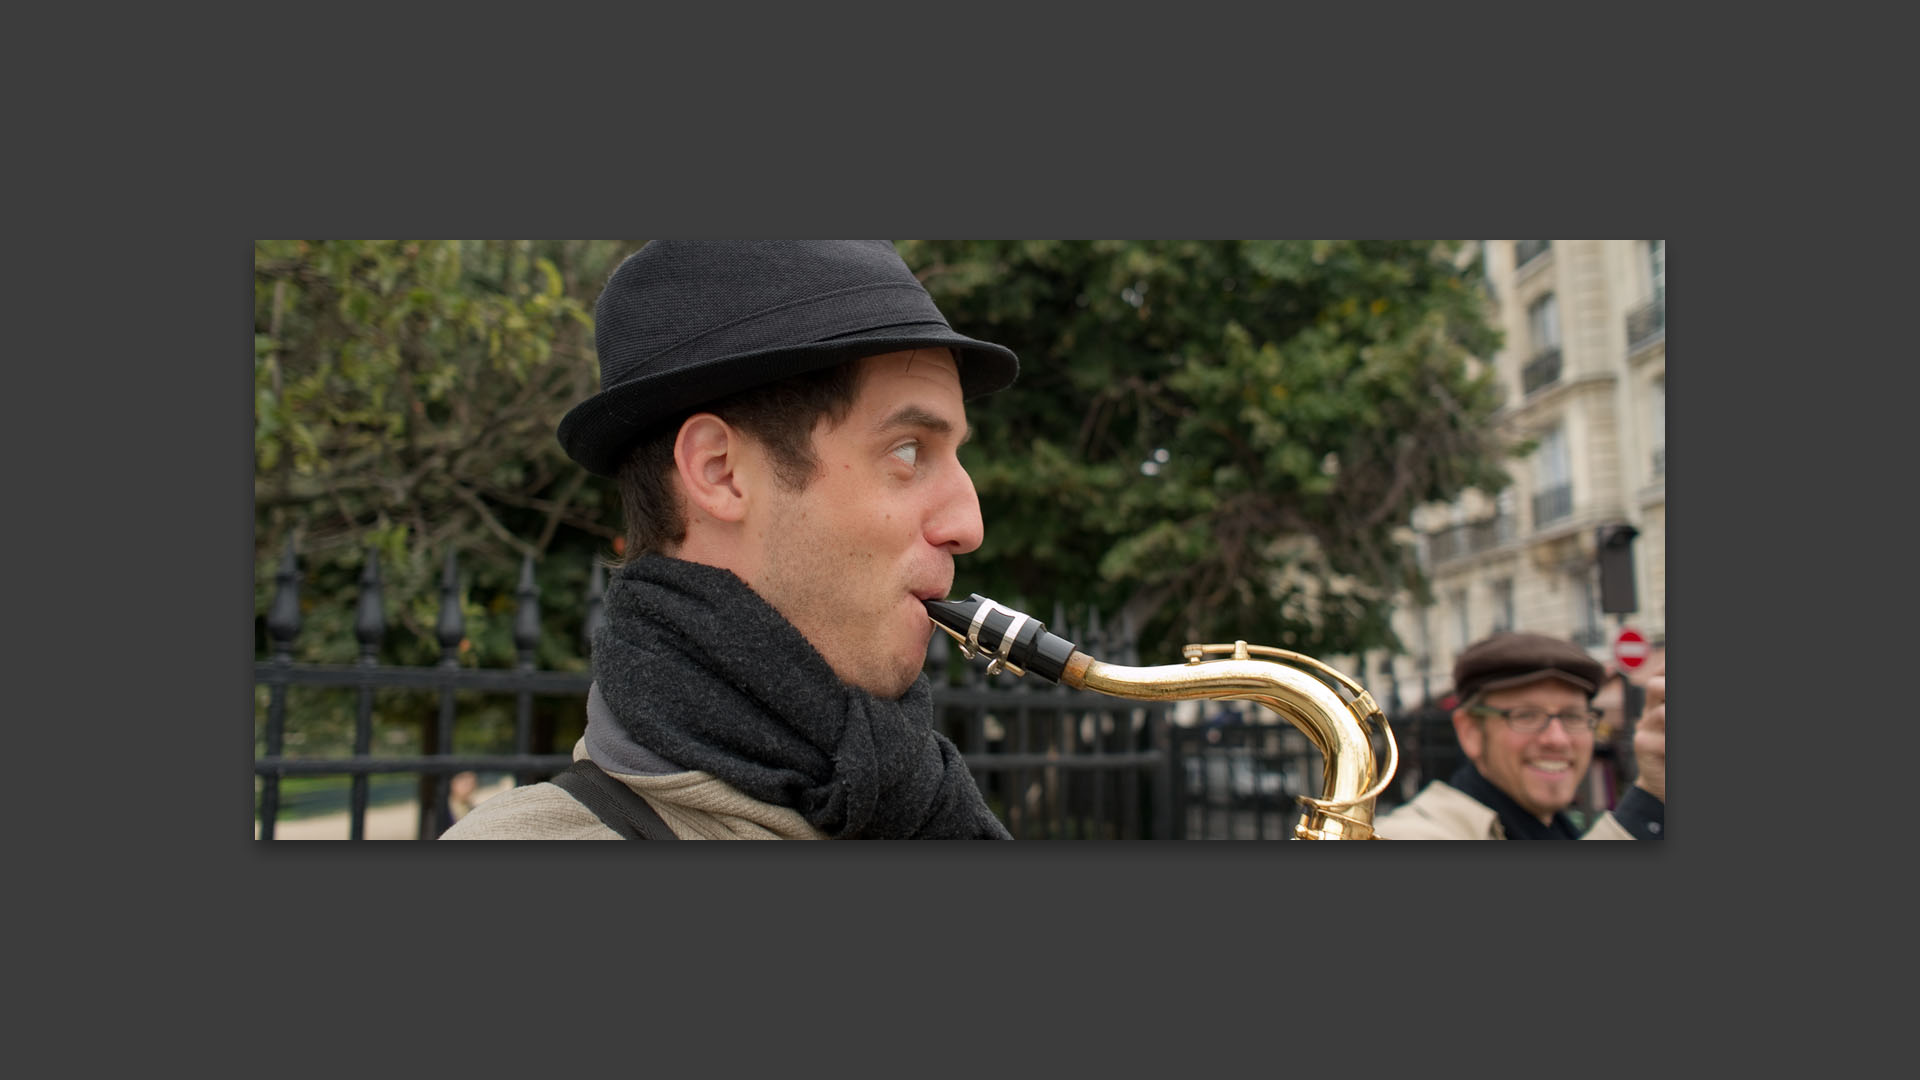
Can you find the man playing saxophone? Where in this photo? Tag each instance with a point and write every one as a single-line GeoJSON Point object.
{"type": "Point", "coordinates": [782, 419]}
{"type": "Point", "coordinates": [1525, 721]}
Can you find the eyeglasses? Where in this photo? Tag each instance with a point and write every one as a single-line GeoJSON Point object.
{"type": "Point", "coordinates": [1531, 719]}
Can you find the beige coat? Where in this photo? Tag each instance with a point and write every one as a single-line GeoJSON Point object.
{"type": "Point", "coordinates": [695, 805]}
{"type": "Point", "coordinates": [1444, 812]}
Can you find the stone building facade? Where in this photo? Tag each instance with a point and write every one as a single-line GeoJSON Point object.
{"type": "Point", "coordinates": [1584, 369]}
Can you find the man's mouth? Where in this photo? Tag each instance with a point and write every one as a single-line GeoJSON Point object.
{"type": "Point", "coordinates": [1550, 766]}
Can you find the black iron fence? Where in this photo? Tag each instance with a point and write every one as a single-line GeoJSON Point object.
{"type": "Point", "coordinates": [1056, 763]}
{"type": "Point", "coordinates": [1053, 763]}
{"type": "Point", "coordinates": [1469, 538]}
{"type": "Point", "coordinates": [434, 763]}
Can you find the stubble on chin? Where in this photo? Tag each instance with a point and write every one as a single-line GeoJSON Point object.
{"type": "Point", "coordinates": [817, 612]}
{"type": "Point", "coordinates": [902, 682]}
{"type": "Point", "coordinates": [883, 669]}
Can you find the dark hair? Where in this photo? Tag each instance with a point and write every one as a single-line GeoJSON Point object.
{"type": "Point", "coordinates": [780, 416]}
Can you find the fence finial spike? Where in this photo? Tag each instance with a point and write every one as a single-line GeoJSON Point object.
{"type": "Point", "coordinates": [526, 620]}
{"type": "Point", "coordinates": [283, 617]}
{"type": "Point", "coordinates": [370, 624]}
{"type": "Point", "coordinates": [453, 624]}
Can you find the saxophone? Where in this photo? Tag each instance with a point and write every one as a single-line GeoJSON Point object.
{"type": "Point", "coordinates": [1331, 709]}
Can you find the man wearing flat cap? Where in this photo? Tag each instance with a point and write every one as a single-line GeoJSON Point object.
{"type": "Point", "coordinates": [783, 421]}
{"type": "Point", "coordinates": [1525, 720]}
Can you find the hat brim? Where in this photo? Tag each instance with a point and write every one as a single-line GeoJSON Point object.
{"type": "Point", "coordinates": [600, 431]}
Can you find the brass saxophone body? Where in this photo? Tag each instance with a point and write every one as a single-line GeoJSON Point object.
{"type": "Point", "coordinates": [1332, 710]}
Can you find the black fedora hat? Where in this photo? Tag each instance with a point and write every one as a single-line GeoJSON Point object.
{"type": "Point", "coordinates": [684, 322]}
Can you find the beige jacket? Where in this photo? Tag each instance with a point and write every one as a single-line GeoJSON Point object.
{"type": "Point", "coordinates": [1444, 812]}
{"type": "Point", "coordinates": [695, 805]}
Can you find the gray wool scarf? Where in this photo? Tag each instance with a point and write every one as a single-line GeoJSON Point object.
{"type": "Point", "coordinates": [697, 668]}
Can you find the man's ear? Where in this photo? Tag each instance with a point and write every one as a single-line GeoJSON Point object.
{"type": "Point", "coordinates": [1466, 728]}
{"type": "Point", "coordinates": [708, 455]}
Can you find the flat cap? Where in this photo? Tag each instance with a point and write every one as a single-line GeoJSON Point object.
{"type": "Point", "coordinates": [1505, 660]}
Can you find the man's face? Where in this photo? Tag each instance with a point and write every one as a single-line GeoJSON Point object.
{"type": "Point", "coordinates": [1541, 771]}
{"type": "Point", "coordinates": [849, 558]}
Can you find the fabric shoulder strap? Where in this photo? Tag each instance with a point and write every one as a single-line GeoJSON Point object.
{"type": "Point", "coordinates": [624, 811]}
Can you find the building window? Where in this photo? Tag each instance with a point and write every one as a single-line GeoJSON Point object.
{"type": "Point", "coordinates": [1586, 615]}
{"type": "Point", "coordinates": [1463, 630]}
{"type": "Point", "coordinates": [1658, 397]}
{"type": "Point", "coordinates": [1525, 251]}
{"type": "Point", "coordinates": [1543, 321]}
{"type": "Point", "coordinates": [1543, 326]}
{"type": "Point", "coordinates": [1650, 317]}
{"type": "Point", "coordinates": [1503, 605]}
{"type": "Point", "coordinates": [1552, 479]}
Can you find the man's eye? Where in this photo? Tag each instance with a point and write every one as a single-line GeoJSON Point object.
{"type": "Point", "coordinates": [908, 452]}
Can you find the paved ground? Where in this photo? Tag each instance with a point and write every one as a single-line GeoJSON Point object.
{"type": "Point", "coordinates": [395, 821]}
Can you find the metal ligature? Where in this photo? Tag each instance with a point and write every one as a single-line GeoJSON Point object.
{"type": "Point", "coordinates": [1335, 712]}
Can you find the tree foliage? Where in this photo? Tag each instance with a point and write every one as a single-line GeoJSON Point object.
{"type": "Point", "coordinates": [1223, 439]}
{"type": "Point", "coordinates": [406, 394]}
{"type": "Point", "coordinates": [405, 399]}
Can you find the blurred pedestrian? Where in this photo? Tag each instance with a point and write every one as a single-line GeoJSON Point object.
{"type": "Point", "coordinates": [1525, 720]}
{"type": "Point", "coordinates": [460, 793]}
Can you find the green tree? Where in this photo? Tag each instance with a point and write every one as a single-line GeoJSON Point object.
{"type": "Point", "coordinates": [405, 399]}
{"type": "Point", "coordinates": [1220, 438]}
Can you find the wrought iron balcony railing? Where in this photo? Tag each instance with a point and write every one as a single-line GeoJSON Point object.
{"type": "Point", "coordinates": [1646, 321]}
{"type": "Point", "coordinates": [1525, 251]}
{"type": "Point", "coordinates": [1551, 505]}
{"type": "Point", "coordinates": [1457, 541]}
{"type": "Point", "coordinates": [1542, 370]}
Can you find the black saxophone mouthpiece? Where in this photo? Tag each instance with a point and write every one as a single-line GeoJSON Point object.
{"type": "Point", "coordinates": [1014, 641]}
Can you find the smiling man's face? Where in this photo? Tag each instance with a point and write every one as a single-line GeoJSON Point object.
{"type": "Point", "coordinates": [849, 557]}
{"type": "Point", "coordinates": [1542, 772]}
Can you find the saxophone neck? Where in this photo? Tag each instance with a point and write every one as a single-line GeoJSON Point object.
{"type": "Point", "coordinates": [1337, 727]}
{"type": "Point", "coordinates": [1332, 710]}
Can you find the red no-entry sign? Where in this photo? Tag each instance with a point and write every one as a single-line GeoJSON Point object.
{"type": "Point", "coordinates": [1630, 648]}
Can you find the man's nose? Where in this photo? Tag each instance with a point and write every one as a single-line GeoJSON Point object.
{"type": "Point", "coordinates": [955, 526]}
{"type": "Point", "coordinates": [1559, 730]}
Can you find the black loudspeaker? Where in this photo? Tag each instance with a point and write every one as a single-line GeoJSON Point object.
{"type": "Point", "coordinates": [1614, 544]}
